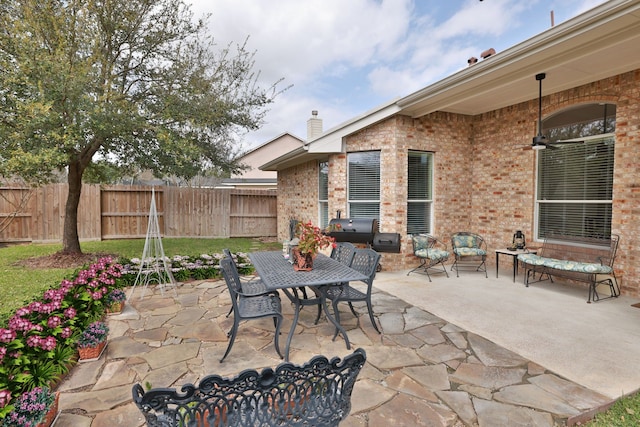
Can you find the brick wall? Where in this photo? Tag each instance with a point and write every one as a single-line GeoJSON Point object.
{"type": "Point", "coordinates": [297, 196]}
{"type": "Point", "coordinates": [484, 180]}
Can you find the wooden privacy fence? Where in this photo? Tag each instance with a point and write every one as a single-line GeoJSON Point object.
{"type": "Point", "coordinates": [122, 212]}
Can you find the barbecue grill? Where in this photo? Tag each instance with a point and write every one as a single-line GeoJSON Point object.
{"type": "Point", "coordinates": [364, 230]}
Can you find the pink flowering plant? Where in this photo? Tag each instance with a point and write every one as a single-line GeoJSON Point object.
{"type": "Point", "coordinates": [312, 238]}
{"type": "Point", "coordinates": [30, 408]}
{"type": "Point", "coordinates": [39, 340]}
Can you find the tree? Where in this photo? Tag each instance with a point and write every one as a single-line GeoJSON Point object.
{"type": "Point", "coordinates": [138, 84]}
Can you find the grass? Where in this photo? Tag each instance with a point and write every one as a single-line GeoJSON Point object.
{"type": "Point", "coordinates": [20, 285]}
{"type": "Point", "coordinates": [625, 412]}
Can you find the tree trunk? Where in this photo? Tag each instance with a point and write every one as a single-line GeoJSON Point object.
{"type": "Point", "coordinates": [70, 239]}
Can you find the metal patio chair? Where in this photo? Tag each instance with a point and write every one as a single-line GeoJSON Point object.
{"type": "Point", "coordinates": [470, 251]}
{"type": "Point", "coordinates": [366, 262]}
{"type": "Point", "coordinates": [431, 252]}
{"type": "Point", "coordinates": [248, 307]}
{"type": "Point", "coordinates": [317, 393]}
{"type": "Point", "coordinates": [251, 287]}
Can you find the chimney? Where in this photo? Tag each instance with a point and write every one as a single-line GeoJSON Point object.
{"type": "Point", "coordinates": [314, 126]}
{"type": "Point", "coordinates": [472, 60]}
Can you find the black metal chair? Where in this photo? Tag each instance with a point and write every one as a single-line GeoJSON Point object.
{"type": "Point", "coordinates": [251, 287]}
{"type": "Point", "coordinates": [431, 252]}
{"type": "Point", "coordinates": [343, 252]}
{"type": "Point", "coordinates": [317, 393]}
{"type": "Point", "coordinates": [366, 262]}
{"type": "Point", "coordinates": [470, 250]}
{"type": "Point", "coordinates": [247, 307]}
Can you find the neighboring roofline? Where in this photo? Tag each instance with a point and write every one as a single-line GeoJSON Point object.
{"type": "Point", "coordinates": [270, 141]}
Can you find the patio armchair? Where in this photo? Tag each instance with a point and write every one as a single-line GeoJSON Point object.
{"type": "Point", "coordinates": [248, 307]}
{"type": "Point", "coordinates": [366, 262]}
{"type": "Point", "coordinates": [431, 252]}
{"type": "Point", "coordinates": [470, 250]}
{"type": "Point", "coordinates": [317, 393]}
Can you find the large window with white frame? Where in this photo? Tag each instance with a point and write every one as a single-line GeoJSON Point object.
{"type": "Point", "coordinates": [323, 193]}
{"type": "Point", "coordinates": [575, 174]}
{"type": "Point", "coordinates": [363, 176]}
{"type": "Point", "coordinates": [419, 192]}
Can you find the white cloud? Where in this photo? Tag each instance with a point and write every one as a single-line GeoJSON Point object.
{"type": "Point", "coordinates": [346, 57]}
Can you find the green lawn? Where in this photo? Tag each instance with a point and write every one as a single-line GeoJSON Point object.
{"type": "Point", "coordinates": [20, 285]}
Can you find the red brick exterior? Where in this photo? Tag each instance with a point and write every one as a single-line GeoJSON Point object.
{"type": "Point", "coordinates": [484, 181]}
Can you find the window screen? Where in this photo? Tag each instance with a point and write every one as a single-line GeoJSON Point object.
{"type": "Point", "coordinates": [363, 176]}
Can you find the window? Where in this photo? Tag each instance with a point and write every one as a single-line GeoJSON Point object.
{"type": "Point", "coordinates": [575, 175]}
{"type": "Point", "coordinates": [363, 175]}
{"type": "Point", "coordinates": [419, 192]}
{"type": "Point", "coordinates": [323, 193]}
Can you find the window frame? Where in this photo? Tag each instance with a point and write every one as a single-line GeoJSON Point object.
{"type": "Point", "coordinates": [352, 202]}
{"type": "Point", "coordinates": [427, 221]}
{"type": "Point", "coordinates": [323, 187]}
{"type": "Point", "coordinates": [568, 204]}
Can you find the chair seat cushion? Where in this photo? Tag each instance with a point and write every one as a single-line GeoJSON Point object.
{"type": "Point", "coordinates": [464, 251]}
{"type": "Point", "coordinates": [566, 265]}
{"type": "Point", "coordinates": [432, 254]}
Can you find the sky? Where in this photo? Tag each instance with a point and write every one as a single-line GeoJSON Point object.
{"type": "Point", "coordinates": [343, 58]}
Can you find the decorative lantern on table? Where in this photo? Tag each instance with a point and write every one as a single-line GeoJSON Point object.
{"type": "Point", "coordinates": [519, 240]}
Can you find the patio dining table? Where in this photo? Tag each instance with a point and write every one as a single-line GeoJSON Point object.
{"type": "Point", "coordinates": [277, 273]}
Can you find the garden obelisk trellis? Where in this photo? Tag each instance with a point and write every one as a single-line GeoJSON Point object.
{"type": "Point", "coordinates": [154, 266]}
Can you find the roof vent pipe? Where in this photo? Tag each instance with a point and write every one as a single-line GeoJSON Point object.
{"type": "Point", "coordinates": [487, 53]}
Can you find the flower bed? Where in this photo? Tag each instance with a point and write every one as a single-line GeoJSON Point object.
{"type": "Point", "coordinates": [38, 343]}
{"type": "Point", "coordinates": [185, 268]}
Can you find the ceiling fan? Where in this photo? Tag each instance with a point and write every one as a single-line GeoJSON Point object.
{"type": "Point", "coordinates": [540, 141]}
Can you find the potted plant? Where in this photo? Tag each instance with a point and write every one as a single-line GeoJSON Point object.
{"type": "Point", "coordinates": [35, 408]}
{"type": "Point", "coordinates": [115, 301]}
{"type": "Point", "coordinates": [93, 340]}
{"type": "Point", "coordinates": [310, 240]}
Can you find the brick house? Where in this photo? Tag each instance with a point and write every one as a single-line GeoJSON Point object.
{"type": "Point", "coordinates": [452, 156]}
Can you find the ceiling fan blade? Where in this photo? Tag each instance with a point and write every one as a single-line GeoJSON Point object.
{"type": "Point", "coordinates": [561, 143]}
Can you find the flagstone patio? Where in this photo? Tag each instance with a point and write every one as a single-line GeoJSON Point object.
{"type": "Point", "coordinates": [422, 370]}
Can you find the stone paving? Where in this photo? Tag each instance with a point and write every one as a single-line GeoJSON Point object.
{"type": "Point", "coordinates": [422, 370]}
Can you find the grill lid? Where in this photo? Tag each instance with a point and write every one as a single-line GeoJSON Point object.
{"type": "Point", "coordinates": [354, 230]}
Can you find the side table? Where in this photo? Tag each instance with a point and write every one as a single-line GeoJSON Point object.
{"type": "Point", "coordinates": [514, 255]}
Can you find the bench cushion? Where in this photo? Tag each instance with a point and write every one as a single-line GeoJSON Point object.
{"type": "Point", "coordinates": [565, 265]}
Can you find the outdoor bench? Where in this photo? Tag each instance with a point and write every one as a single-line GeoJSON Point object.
{"type": "Point", "coordinates": [317, 393]}
{"type": "Point", "coordinates": [588, 260]}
